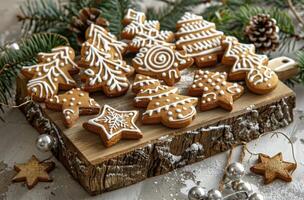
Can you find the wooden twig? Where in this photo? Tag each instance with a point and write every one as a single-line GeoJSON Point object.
{"type": "Point", "coordinates": [295, 13]}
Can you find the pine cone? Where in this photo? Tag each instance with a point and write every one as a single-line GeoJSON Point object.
{"type": "Point", "coordinates": [263, 32]}
{"type": "Point", "coordinates": [85, 18]}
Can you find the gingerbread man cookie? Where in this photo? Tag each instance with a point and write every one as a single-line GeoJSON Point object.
{"type": "Point", "coordinates": [161, 62]}
{"type": "Point", "coordinates": [113, 125]}
{"type": "Point", "coordinates": [249, 66]}
{"type": "Point", "coordinates": [51, 74]}
{"type": "Point", "coordinates": [164, 104]}
{"type": "Point", "coordinates": [215, 90]}
{"type": "Point", "coordinates": [104, 68]}
{"type": "Point", "coordinates": [200, 39]}
{"type": "Point", "coordinates": [72, 104]}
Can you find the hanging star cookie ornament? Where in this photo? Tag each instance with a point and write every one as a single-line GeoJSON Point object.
{"type": "Point", "coordinates": [33, 172]}
{"type": "Point", "coordinates": [72, 104]}
{"type": "Point", "coordinates": [215, 90]}
{"type": "Point", "coordinates": [161, 62]}
{"type": "Point", "coordinates": [113, 125]}
{"type": "Point", "coordinates": [52, 73]}
{"type": "Point", "coordinates": [248, 66]}
{"type": "Point", "coordinates": [274, 168]}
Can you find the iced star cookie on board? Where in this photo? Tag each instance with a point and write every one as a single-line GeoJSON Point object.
{"type": "Point", "coordinates": [248, 66]}
{"type": "Point", "coordinates": [51, 74]}
{"type": "Point", "coordinates": [164, 104]}
{"type": "Point", "coordinates": [104, 68]}
{"type": "Point", "coordinates": [215, 90]}
{"type": "Point", "coordinates": [161, 62]}
{"type": "Point", "coordinates": [200, 39]}
{"type": "Point", "coordinates": [73, 103]}
{"type": "Point", "coordinates": [113, 125]}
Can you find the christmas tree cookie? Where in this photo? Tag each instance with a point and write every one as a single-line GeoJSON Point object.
{"type": "Point", "coordinates": [104, 68]}
{"type": "Point", "coordinates": [215, 90]}
{"type": "Point", "coordinates": [51, 74]}
{"type": "Point", "coordinates": [200, 39]}
{"type": "Point", "coordinates": [248, 66]}
{"type": "Point", "coordinates": [164, 104]}
{"type": "Point", "coordinates": [161, 62]}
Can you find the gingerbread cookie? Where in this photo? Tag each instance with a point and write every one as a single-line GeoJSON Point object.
{"type": "Point", "coordinates": [274, 168]}
{"type": "Point", "coordinates": [51, 74]}
{"type": "Point", "coordinates": [200, 39]}
{"type": "Point", "coordinates": [151, 38]}
{"type": "Point", "coordinates": [249, 66]}
{"type": "Point", "coordinates": [104, 68]}
{"type": "Point", "coordinates": [164, 104]}
{"type": "Point", "coordinates": [72, 104]}
{"type": "Point", "coordinates": [102, 39]}
{"type": "Point", "coordinates": [33, 171]}
{"type": "Point", "coordinates": [161, 62]}
{"type": "Point", "coordinates": [135, 23]}
{"type": "Point", "coordinates": [113, 125]}
{"type": "Point", "coordinates": [215, 90]}
{"type": "Point", "coordinates": [148, 89]}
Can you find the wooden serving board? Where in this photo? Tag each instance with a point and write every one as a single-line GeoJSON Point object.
{"type": "Point", "coordinates": [100, 169]}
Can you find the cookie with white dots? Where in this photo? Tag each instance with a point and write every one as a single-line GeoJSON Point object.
{"type": "Point", "coordinates": [51, 74]}
{"type": "Point", "coordinates": [215, 90]}
{"type": "Point", "coordinates": [73, 103]}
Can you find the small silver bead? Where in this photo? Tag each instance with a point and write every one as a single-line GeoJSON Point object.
{"type": "Point", "coordinates": [215, 195]}
{"type": "Point", "coordinates": [45, 142]}
{"type": "Point", "coordinates": [235, 171]}
{"type": "Point", "coordinates": [197, 193]}
{"type": "Point", "coordinates": [256, 196]}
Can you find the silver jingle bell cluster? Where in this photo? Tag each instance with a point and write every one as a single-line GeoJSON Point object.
{"type": "Point", "coordinates": [235, 188]}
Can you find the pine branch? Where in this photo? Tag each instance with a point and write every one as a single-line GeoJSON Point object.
{"type": "Point", "coordinates": [40, 16]}
{"type": "Point", "coordinates": [11, 60]}
{"type": "Point", "coordinates": [114, 11]}
{"type": "Point", "coordinates": [169, 14]}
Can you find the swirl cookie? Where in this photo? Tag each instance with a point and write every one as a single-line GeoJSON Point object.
{"type": "Point", "coordinates": [113, 125]}
{"type": "Point", "coordinates": [249, 66]}
{"type": "Point", "coordinates": [215, 90]}
{"type": "Point", "coordinates": [164, 104]}
{"type": "Point", "coordinates": [73, 103]}
{"type": "Point", "coordinates": [161, 62]}
{"type": "Point", "coordinates": [51, 74]}
{"type": "Point", "coordinates": [200, 39]}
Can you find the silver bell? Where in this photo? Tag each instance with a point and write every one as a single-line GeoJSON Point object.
{"type": "Point", "coordinates": [235, 184]}
{"type": "Point", "coordinates": [245, 187]}
{"type": "Point", "coordinates": [256, 196]}
{"type": "Point", "coordinates": [197, 193]}
{"type": "Point", "coordinates": [235, 171]}
{"type": "Point", "coordinates": [45, 142]}
{"type": "Point", "coordinates": [215, 195]}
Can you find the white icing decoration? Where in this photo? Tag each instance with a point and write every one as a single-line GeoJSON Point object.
{"type": "Point", "coordinates": [260, 75]}
{"type": "Point", "coordinates": [116, 121]}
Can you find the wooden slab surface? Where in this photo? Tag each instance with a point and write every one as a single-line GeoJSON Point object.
{"type": "Point", "coordinates": [90, 146]}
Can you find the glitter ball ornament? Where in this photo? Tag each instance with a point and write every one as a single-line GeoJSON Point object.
{"type": "Point", "coordinates": [263, 32]}
{"type": "Point", "coordinates": [214, 195]}
{"type": "Point", "coordinates": [45, 142]}
{"type": "Point", "coordinates": [235, 171]}
{"type": "Point", "coordinates": [197, 193]}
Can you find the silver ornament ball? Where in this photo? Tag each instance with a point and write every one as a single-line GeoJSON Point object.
{"type": "Point", "coordinates": [235, 184]}
{"type": "Point", "coordinates": [214, 195]}
{"type": "Point", "coordinates": [235, 171]}
{"type": "Point", "coordinates": [45, 142]}
{"type": "Point", "coordinates": [244, 187]}
{"type": "Point", "coordinates": [197, 193]}
{"type": "Point", "coordinates": [256, 196]}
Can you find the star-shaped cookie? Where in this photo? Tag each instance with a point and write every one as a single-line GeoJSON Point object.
{"type": "Point", "coordinates": [215, 90]}
{"type": "Point", "coordinates": [33, 172]}
{"type": "Point", "coordinates": [72, 104]}
{"type": "Point", "coordinates": [113, 125]}
{"type": "Point", "coordinates": [161, 62]}
{"type": "Point", "coordinates": [273, 167]}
